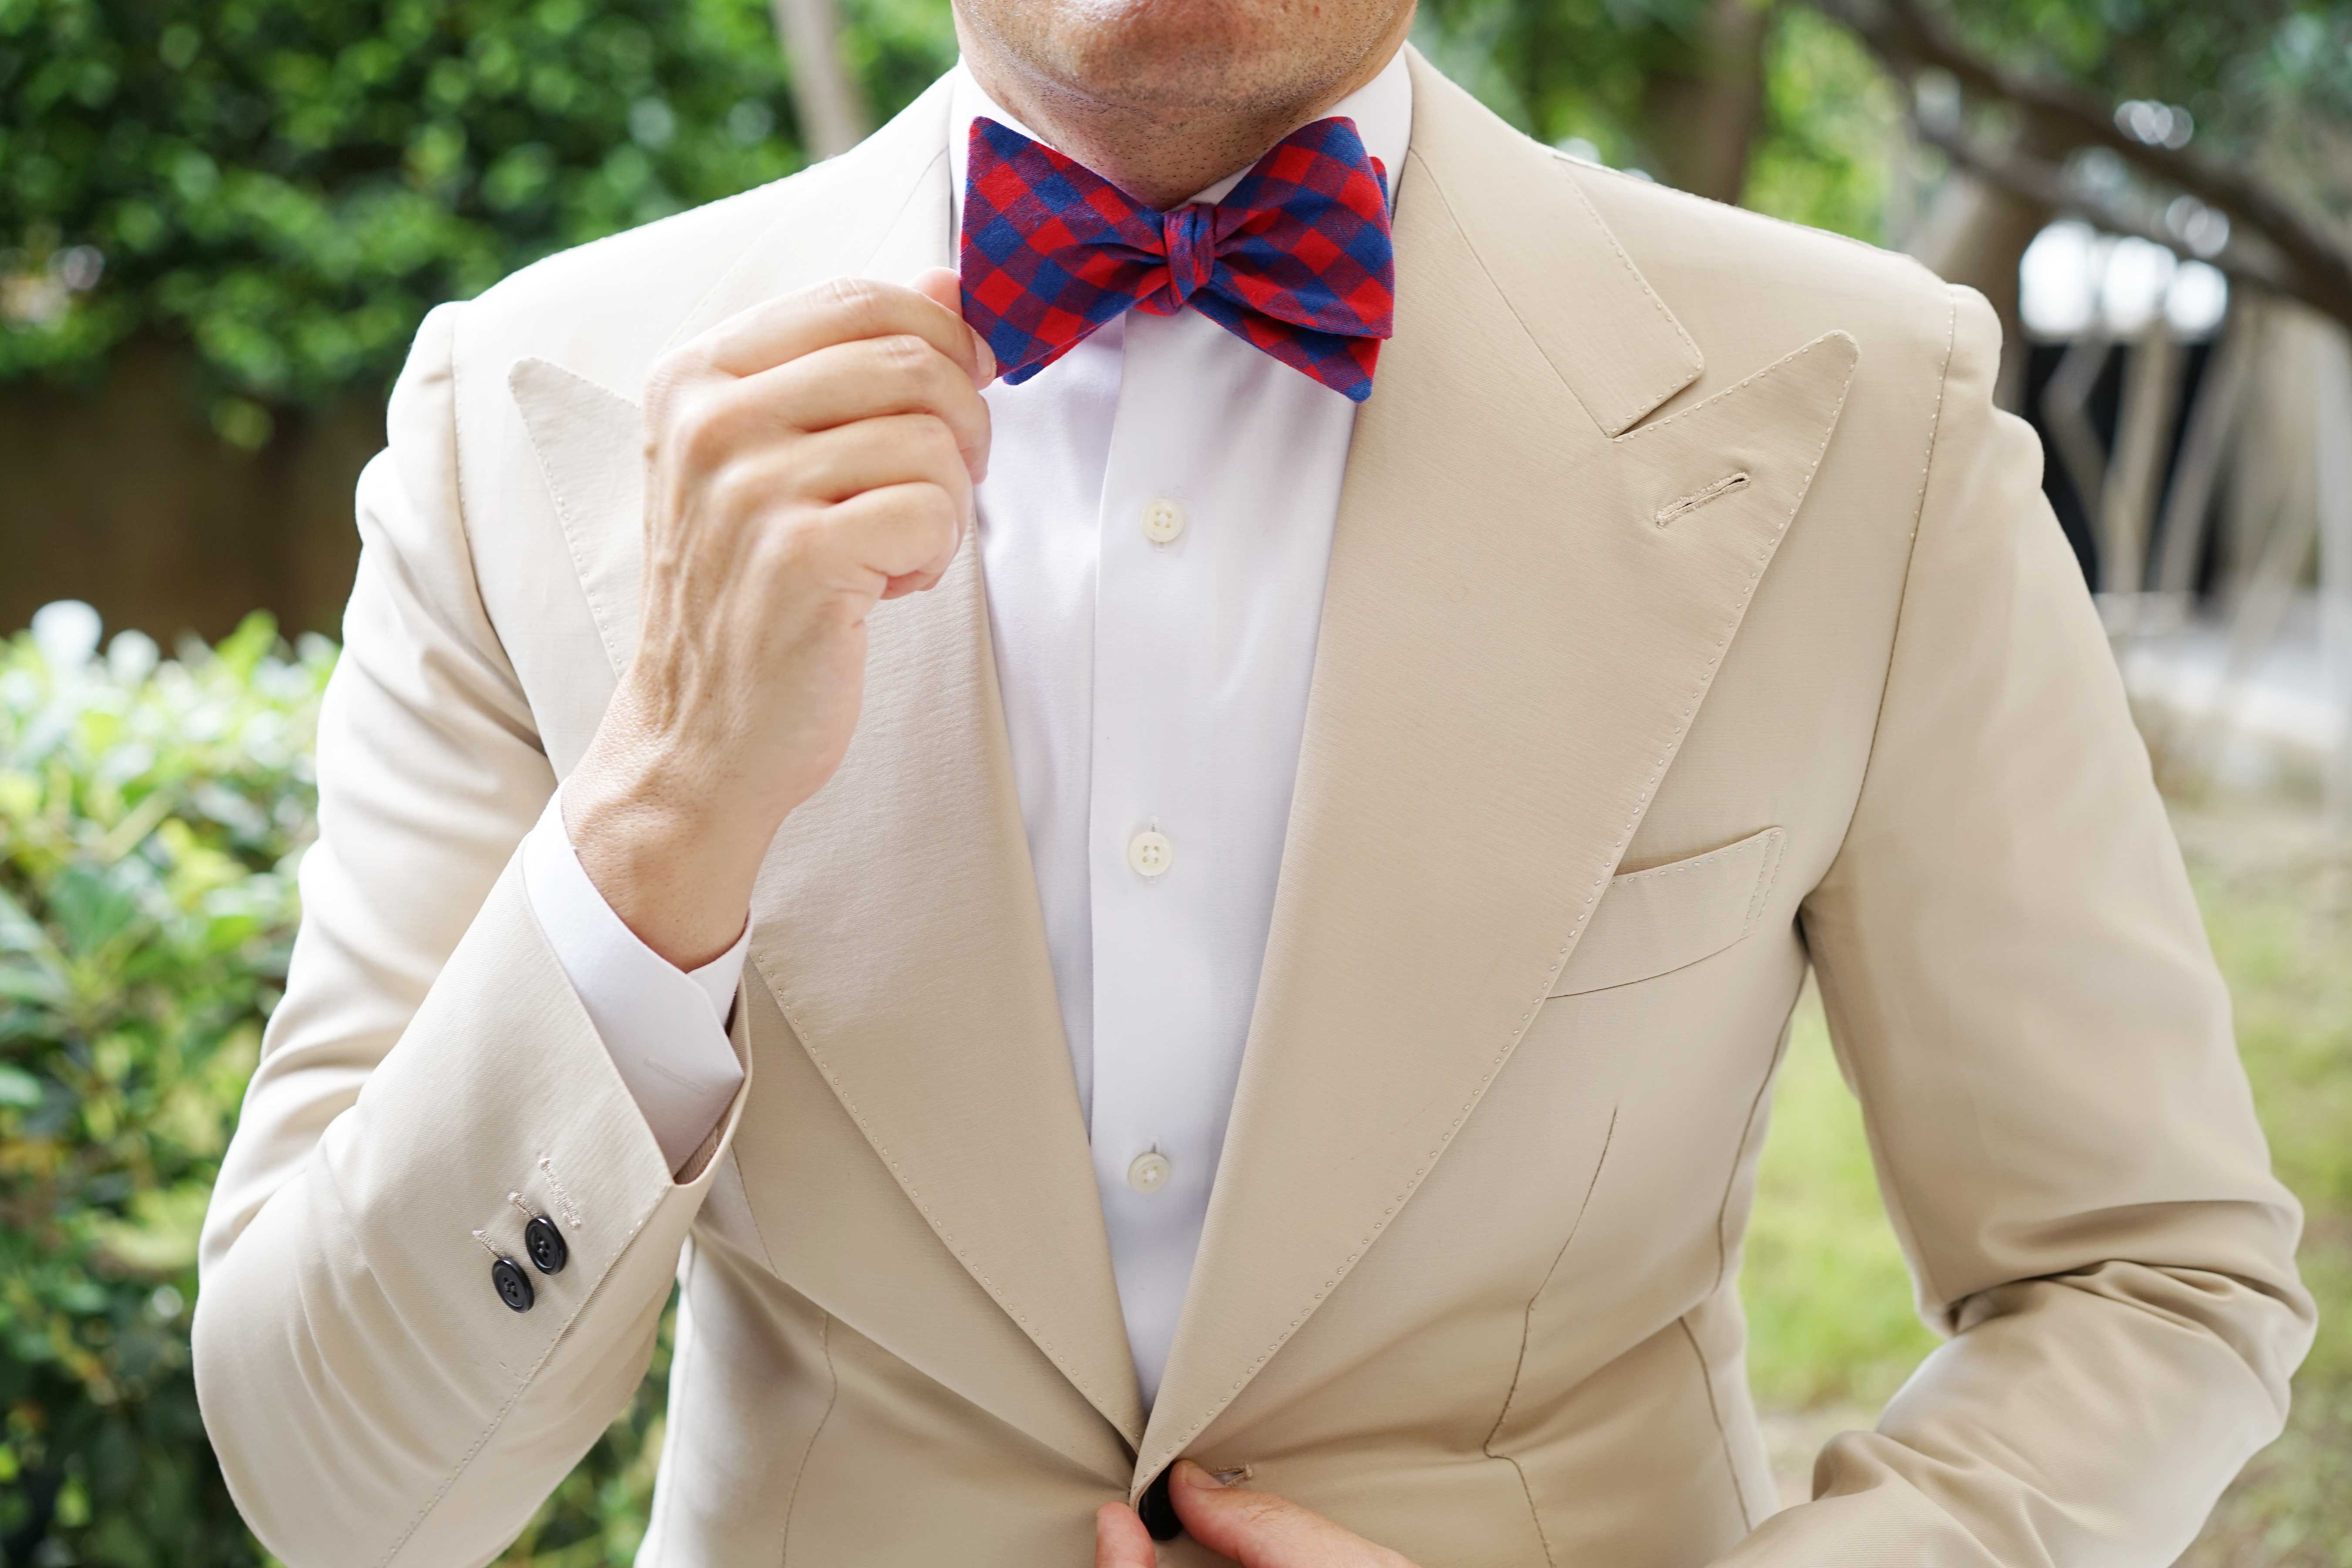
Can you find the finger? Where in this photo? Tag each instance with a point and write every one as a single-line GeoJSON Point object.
{"type": "Point", "coordinates": [845, 309]}
{"type": "Point", "coordinates": [1259, 1529]}
{"type": "Point", "coordinates": [833, 465]}
{"type": "Point", "coordinates": [866, 379]}
{"type": "Point", "coordinates": [1120, 1540]}
{"type": "Point", "coordinates": [941, 284]}
{"type": "Point", "coordinates": [898, 448]}
{"type": "Point", "coordinates": [903, 534]}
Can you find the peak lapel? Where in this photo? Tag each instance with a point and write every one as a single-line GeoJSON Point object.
{"type": "Point", "coordinates": [897, 922]}
{"type": "Point", "coordinates": [896, 919]}
{"type": "Point", "coordinates": [1530, 593]}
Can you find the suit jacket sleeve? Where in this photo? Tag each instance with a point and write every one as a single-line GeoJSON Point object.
{"type": "Point", "coordinates": [430, 1075]}
{"type": "Point", "coordinates": [2020, 994]}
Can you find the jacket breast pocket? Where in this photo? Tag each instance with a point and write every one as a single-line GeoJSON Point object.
{"type": "Point", "coordinates": [1655, 921]}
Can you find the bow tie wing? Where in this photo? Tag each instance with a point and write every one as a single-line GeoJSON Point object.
{"type": "Point", "coordinates": [1306, 263]}
{"type": "Point", "coordinates": [1051, 250]}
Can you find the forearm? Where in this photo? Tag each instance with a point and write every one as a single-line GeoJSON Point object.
{"type": "Point", "coordinates": [2085, 1420]}
{"type": "Point", "coordinates": [370, 1396]}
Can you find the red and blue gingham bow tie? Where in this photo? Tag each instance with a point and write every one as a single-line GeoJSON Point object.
{"type": "Point", "coordinates": [1297, 260]}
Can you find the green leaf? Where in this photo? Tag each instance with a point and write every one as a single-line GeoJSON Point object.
{"type": "Point", "coordinates": [19, 1088]}
{"type": "Point", "coordinates": [19, 932]}
{"type": "Point", "coordinates": [89, 908]}
{"type": "Point", "coordinates": [159, 1236]}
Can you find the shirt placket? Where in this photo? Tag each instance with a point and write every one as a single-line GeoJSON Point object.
{"type": "Point", "coordinates": [1155, 853]}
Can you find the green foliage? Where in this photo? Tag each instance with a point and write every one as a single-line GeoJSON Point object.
{"type": "Point", "coordinates": [287, 185]}
{"type": "Point", "coordinates": [147, 814]}
{"type": "Point", "coordinates": [2268, 84]}
{"type": "Point", "coordinates": [1829, 116]}
{"type": "Point", "coordinates": [150, 814]}
{"type": "Point", "coordinates": [1562, 68]}
{"type": "Point", "coordinates": [2255, 74]}
{"type": "Point", "coordinates": [1580, 71]}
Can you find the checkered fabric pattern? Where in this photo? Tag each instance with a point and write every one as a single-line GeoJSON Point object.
{"type": "Point", "coordinates": [1297, 260]}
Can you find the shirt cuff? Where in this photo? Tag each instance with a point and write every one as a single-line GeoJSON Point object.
{"type": "Point", "coordinates": [666, 1028]}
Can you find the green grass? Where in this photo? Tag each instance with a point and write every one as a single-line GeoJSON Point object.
{"type": "Point", "coordinates": [1827, 1294]}
{"type": "Point", "coordinates": [1828, 1299]}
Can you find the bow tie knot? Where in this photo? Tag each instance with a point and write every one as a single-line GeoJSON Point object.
{"type": "Point", "coordinates": [1189, 233]}
{"type": "Point", "coordinates": [1297, 260]}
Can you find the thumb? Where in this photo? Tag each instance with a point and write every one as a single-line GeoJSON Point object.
{"type": "Point", "coordinates": [1259, 1529]}
{"type": "Point", "coordinates": [1120, 1540]}
{"type": "Point", "coordinates": [943, 288]}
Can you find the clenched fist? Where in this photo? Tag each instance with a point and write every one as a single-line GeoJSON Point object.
{"type": "Point", "coordinates": [805, 459]}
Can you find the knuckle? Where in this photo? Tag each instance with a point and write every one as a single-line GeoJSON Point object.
{"type": "Point", "coordinates": [937, 439]}
{"type": "Point", "coordinates": [934, 506]}
{"type": "Point", "coordinates": [904, 354]}
{"type": "Point", "coordinates": [932, 512]}
{"type": "Point", "coordinates": [733, 489]}
{"type": "Point", "coordinates": [701, 434]}
{"type": "Point", "coordinates": [859, 298]}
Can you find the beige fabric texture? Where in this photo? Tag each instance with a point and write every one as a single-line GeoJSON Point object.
{"type": "Point", "coordinates": [1692, 616]}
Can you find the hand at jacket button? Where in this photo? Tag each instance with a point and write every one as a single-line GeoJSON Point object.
{"type": "Point", "coordinates": [1255, 1529]}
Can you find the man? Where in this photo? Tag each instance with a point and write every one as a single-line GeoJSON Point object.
{"type": "Point", "coordinates": [1231, 896]}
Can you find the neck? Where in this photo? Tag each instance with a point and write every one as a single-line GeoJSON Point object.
{"type": "Point", "coordinates": [1160, 153]}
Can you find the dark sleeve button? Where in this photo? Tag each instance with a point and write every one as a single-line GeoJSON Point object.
{"type": "Point", "coordinates": [546, 1246]}
{"type": "Point", "coordinates": [513, 1285]}
{"type": "Point", "coordinates": [1158, 1511]}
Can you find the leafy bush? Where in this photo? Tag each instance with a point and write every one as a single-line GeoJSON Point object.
{"type": "Point", "coordinates": [150, 814]}
{"type": "Point", "coordinates": [149, 811]}
{"type": "Point", "coordinates": [287, 185]}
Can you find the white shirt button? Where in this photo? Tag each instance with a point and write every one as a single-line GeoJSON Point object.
{"type": "Point", "coordinates": [1163, 519]}
{"type": "Point", "coordinates": [1151, 853]}
{"type": "Point", "coordinates": [1149, 1173]}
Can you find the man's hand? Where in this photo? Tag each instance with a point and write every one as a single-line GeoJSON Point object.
{"type": "Point", "coordinates": [805, 459]}
{"type": "Point", "coordinates": [1256, 1529]}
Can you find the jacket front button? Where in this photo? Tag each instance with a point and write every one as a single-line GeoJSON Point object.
{"type": "Point", "coordinates": [546, 1246]}
{"type": "Point", "coordinates": [1158, 1511]}
{"type": "Point", "coordinates": [513, 1285]}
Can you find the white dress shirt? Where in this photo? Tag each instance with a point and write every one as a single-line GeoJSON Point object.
{"type": "Point", "coordinates": [1154, 530]}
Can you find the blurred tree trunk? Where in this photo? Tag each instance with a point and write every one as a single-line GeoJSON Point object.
{"type": "Point", "coordinates": [827, 98]}
{"type": "Point", "coordinates": [1975, 233]}
{"type": "Point", "coordinates": [1701, 116]}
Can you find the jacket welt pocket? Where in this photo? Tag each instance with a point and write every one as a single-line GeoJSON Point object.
{"type": "Point", "coordinates": [1655, 921]}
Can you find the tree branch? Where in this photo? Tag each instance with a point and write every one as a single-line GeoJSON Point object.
{"type": "Point", "coordinates": [2048, 186]}
{"type": "Point", "coordinates": [2316, 264]}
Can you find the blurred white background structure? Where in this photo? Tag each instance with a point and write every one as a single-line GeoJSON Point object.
{"type": "Point", "coordinates": [2219, 506]}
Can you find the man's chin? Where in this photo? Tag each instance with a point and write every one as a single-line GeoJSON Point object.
{"type": "Point", "coordinates": [1163, 57]}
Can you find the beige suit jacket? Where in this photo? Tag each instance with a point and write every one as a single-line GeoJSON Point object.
{"type": "Point", "coordinates": [1692, 615]}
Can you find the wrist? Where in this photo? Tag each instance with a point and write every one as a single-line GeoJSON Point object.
{"type": "Point", "coordinates": [672, 861]}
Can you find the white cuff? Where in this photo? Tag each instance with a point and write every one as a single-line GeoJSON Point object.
{"type": "Point", "coordinates": [664, 1028]}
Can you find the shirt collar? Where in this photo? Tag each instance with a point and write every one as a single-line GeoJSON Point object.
{"type": "Point", "coordinates": [1381, 108]}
